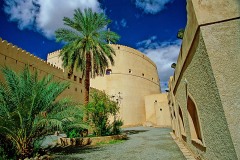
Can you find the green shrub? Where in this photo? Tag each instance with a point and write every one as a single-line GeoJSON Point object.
{"type": "Point", "coordinates": [99, 109]}
{"type": "Point", "coordinates": [7, 149]}
{"type": "Point", "coordinates": [116, 129]}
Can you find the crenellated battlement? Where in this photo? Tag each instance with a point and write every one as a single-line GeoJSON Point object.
{"type": "Point", "coordinates": [12, 51]}
{"type": "Point", "coordinates": [16, 58]}
{"type": "Point", "coordinates": [57, 52]}
{"type": "Point", "coordinates": [134, 51]}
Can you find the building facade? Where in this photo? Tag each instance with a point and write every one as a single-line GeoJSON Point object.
{"type": "Point", "coordinates": [132, 77]}
{"type": "Point", "coordinates": [204, 90]}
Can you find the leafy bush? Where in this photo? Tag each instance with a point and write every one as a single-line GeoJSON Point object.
{"type": "Point", "coordinates": [116, 129]}
{"type": "Point", "coordinates": [7, 149]}
{"type": "Point", "coordinates": [28, 110]}
{"type": "Point", "coordinates": [100, 108]}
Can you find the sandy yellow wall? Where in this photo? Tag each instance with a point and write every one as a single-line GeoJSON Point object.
{"type": "Point", "coordinates": [157, 110]}
{"type": "Point", "coordinates": [16, 59]}
{"type": "Point", "coordinates": [133, 87]}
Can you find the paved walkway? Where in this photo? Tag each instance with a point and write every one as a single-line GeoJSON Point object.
{"type": "Point", "coordinates": [188, 155]}
{"type": "Point", "coordinates": [145, 143]}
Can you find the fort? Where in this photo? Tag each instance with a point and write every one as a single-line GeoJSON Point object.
{"type": "Point", "coordinates": [202, 105]}
{"type": "Point", "coordinates": [133, 82]}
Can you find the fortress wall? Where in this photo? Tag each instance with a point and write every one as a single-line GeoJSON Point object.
{"type": "Point", "coordinates": [223, 48]}
{"type": "Point", "coordinates": [16, 59]}
{"type": "Point", "coordinates": [157, 110]}
{"type": "Point", "coordinates": [134, 75]}
{"type": "Point", "coordinates": [207, 71]}
{"type": "Point", "coordinates": [54, 59]}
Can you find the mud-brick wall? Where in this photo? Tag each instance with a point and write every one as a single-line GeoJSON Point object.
{"type": "Point", "coordinates": [16, 58]}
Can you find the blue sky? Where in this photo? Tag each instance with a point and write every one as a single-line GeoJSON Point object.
{"type": "Point", "coordinates": [150, 26]}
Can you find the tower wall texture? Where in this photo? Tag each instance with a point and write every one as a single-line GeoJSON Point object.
{"type": "Point", "coordinates": [16, 59]}
{"type": "Point", "coordinates": [133, 77]}
{"type": "Point", "coordinates": [207, 71]}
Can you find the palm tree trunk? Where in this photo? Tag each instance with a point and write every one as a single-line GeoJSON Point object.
{"type": "Point", "coordinates": [25, 149]}
{"type": "Point", "coordinates": [87, 78]}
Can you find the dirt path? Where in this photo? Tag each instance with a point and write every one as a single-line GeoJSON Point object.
{"type": "Point", "coordinates": [144, 143]}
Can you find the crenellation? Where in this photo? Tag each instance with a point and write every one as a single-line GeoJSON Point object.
{"type": "Point", "coordinates": [18, 54]}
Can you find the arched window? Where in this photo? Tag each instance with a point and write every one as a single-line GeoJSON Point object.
{"type": "Point", "coordinates": [108, 71]}
{"type": "Point", "coordinates": [193, 120]}
{"type": "Point", "coordinates": [181, 123]}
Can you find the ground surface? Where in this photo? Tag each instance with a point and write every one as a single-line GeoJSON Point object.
{"type": "Point", "coordinates": [144, 143]}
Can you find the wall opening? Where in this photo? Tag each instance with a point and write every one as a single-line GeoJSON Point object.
{"type": "Point", "coordinates": [108, 71]}
{"type": "Point", "coordinates": [181, 122]}
{"type": "Point", "coordinates": [193, 120]}
{"type": "Point", "coordinates": [75, 78]}
{"type": "Point", "coordinates": [129, 71]}
{"type": "Point", "coordinates": [69, 76]}
{"type": "Point", "coordinates": [80, 80]}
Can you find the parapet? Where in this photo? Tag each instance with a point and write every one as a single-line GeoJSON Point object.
{"type": "Point", "coordinates": [134, 51]}
{"type": "Point", "coordinates": [14, 52]}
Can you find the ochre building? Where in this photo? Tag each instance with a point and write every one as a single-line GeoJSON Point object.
{"type": "Point", "coordinates": [131, 80]}
{"type": "Point", "coordinates": [204, 96]}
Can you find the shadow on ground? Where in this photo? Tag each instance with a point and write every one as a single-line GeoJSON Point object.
{"type": "Point", "coordinates": [130, 132]}
{"type": "Point", "coordinates": [59, 151]}
{"type": "Point", "coordinates": [74, 149]}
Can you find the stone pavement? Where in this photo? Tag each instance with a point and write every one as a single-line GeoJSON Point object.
{"type": "Point", "coordinates": [188, 155]}
{"type": "Point", "coordinates": [144, 143]}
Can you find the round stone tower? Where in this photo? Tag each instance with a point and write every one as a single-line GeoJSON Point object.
{"type": "Point", "coordinates": [133, 77]}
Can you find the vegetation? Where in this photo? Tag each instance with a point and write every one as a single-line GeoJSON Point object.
{"type": "Point", "coordinates": [180, 33]}
{"type": "Point", "coordinates": [86, 44]}
{"type": "Point", "coordinates": [28, 111]}
{"type": "Point", "coordinates": [111, 142]}
{"type": "Point", "coordinates": [100, 109]}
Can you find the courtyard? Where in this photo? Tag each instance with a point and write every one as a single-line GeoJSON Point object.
{"type": "Point", "coordinates": [144, 143]}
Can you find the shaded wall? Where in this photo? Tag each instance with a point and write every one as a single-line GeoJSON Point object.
{"type": "Point", "coordinates": [207, 71]}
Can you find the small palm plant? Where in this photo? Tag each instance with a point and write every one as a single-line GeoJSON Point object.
{"type": "Point", "coordinates": [87, 46]}
{"type": "Point", "coordinates": [28, 110]}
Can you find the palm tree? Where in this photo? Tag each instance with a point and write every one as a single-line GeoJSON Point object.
{"type": "Point", "coordinates": [87, 46]}
{"type": "Point", "coordinates": [28, 109]}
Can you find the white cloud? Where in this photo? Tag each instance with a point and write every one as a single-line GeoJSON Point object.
{"type": "Point", "coordinates": [21, 11]}
{"type": "Point", "coordinates": [45, 16]}
{"type": "Point", "coordinates": [119, 24]}
{"type": "Point", "coordinates": [148, 43]}
{"type": "Point", "coordinates": [152, 6]}
{"type": "Point", "coordinates": [163, 55]}
{"type": "Point", "coordinates": [123, 23]}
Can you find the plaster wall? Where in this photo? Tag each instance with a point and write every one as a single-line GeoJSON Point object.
{"type": "Point", "coordinates": [197, 80]}
{"type": "Point", "coordinates": [157, 110]}
{"type": "Point", "coordinates": [207, 71]}
{"type": "Point", "coordinates": [54, 59]}
{"type": "Point", "coordinates": [223, 47]}
{"type": "Point", "coordinates": [133, 76]}
{"type": "Point", "coordinates": [16, 58]}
